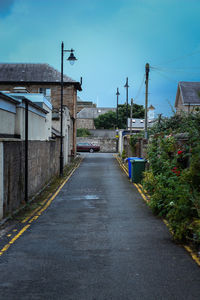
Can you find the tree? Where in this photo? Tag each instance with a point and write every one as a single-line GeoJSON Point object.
{"type": "Point", "coordinates": [106, 121]}
{"type": "Point", "coordinates": [109, 119]}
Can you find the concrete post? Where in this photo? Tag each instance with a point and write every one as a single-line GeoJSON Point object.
{"type": "Point", "coordinates": [1, 180]}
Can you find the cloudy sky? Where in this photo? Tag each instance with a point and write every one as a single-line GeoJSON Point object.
{"type": "Point", "coordinates": [113, 39]}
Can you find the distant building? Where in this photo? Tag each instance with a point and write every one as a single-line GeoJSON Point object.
{"type": "Point", "coordinates": [138, 124]}
{"type": "Point", "coordinates": [84, 104]}
{"type": "Point", "coordinates": [151, 112]}
{"type": "Point", "coordinates": [85, 118]}
{"type": "Point", "coordinates": [187, 97]}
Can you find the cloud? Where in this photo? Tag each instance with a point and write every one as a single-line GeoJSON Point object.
{"type": "Point", "coordinates": [6, 7]}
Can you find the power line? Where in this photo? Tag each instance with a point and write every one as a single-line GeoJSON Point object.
{"type": "Point", "coordinates": [140, 88]}
{"type": "Point", "coordinates": [185, 71]}
{"type": "Point", "coordinates": [165, 76]}
{"type": "Point", "coordinates": [180, 57]}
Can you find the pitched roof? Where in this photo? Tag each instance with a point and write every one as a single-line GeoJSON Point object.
{"type": "Point", "coordinates": [25, 72]}
{"type": "Point", "coordinates": [93, 112]}
{"type": "Point", "coordinates": [190, 92]}
{"type": "Point", "coordinates": [151, 107]}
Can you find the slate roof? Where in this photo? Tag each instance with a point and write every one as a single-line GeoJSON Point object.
{"type": "Point", "coordinates": [25, 72]}
{"type": "Point", "coordinates": [190, 92]}
{"type": "Point", "coordinates": [93, 112]}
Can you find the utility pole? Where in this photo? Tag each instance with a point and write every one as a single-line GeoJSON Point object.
{"type": "Point", "coordinates": [131, 116]}
{"type": "Point", "coordinates": [117, 106]}
{"type": "Point", "coordinates": [126, 86]}
{"type": "Point", "coordinates": [26, 151]}
{"type": "Point", "coordinates": [146, 99]}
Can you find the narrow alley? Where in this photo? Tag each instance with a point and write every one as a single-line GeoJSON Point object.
{"type": "Point", "coordinates": [98, 240]}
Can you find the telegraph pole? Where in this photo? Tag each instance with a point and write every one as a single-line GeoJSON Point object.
{"type": "Point", "coordinates": [131, 116]}
{"type": "Point", "coordinates": [146, 99]}
{"type": "Point", "coordinates": [126, 86]}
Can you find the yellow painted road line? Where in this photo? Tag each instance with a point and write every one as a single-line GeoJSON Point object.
{"type": "Point", "coordinates": [5, 248]}
{"type": "Point", "coordinates": [194, 256]}
{"type": "Point", "coordinates": [35, 210]}
{"type": "Point", "coordinates": [140, 189]}
{"type": "Point", "coordinates": [54, 195]}
{"type": "Point", "coordinates": [141, 193]}
{"type": "Point", "coordinates": [122, 166]}
{"type": "Point", "coordinates": [31, 214]}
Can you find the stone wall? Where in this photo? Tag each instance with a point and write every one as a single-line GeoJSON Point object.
{"type": "Point", "coordinates": [106, 144]}
{"type": "Point", "coordinates": [43, 161]}
{"type": "Point", "coordinates": [106, 133]}
{"type": "Point", "coordinates": [85, 123]}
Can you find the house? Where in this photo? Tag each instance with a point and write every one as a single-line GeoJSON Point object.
{"type": "Point", "coordinates": [84, 104]}
{"type": "Point", "coordinates": [43, 79]}
{"type": "Point", "coordinates": [85, 118]}
{"type": "Point", "coordinates": [187, 97]}
{"type": "Point", "coordinates": [138, 124]}
{"type": "Point", "coordinates": [151, 112]}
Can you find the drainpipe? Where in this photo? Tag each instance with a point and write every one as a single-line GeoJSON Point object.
{"type": "Point", "coordinates": [26, 150]}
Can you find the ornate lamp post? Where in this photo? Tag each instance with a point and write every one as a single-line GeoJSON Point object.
{"type": "Point", "coordinates": [117, 125]}
{"type": "Point", "coordinates": [71, 59]}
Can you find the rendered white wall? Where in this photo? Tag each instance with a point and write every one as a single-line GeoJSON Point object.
{"type": "Point", "coordinates": [7, 122]}
{"type": "Point", "coordinates": [1, 180]}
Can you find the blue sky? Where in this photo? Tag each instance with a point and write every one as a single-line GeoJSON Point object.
{"type": "Point", "coordinates": [112, 39]}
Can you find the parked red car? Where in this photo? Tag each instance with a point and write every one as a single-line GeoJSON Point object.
{"type": "Point", "coordinates": [87, 147]}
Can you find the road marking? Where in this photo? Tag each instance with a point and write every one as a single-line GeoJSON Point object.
{"type": "Point", "coordinates": [194, 256]}
{"type": "Point", "coordinates": [35, 210]}
{"type": "Point", "coordinates": [141, 193]}
{"type": "Point", "coordinates": [187, 248]}
{"type": "Point", "coordinates": [5, 248]}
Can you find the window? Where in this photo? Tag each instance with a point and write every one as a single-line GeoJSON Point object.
{"type": "Point", "coordinates": [46, 92]}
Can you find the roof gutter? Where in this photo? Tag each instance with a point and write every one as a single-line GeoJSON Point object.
{"type": "Point", "coordinates": [76, 84]}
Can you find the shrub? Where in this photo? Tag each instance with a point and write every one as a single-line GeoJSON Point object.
{"type": "Point", "coordinates": [83, 132]}
{"type": "Point", "coordinates": [174, 175]}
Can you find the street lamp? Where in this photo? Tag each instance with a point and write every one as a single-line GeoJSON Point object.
{"type": "Point", "coordinates": [126, 86]}
{"type": "Point", "coordinates": [71, 59]}
{"type": "Point", "coordinates": [117, 136]}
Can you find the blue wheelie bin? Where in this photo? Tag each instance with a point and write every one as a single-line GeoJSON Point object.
{"type": "Point", "coordinates": [129, 164]}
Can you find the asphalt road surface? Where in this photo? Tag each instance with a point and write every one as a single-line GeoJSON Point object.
{"type": "Point", "coordinates": [98, 240]}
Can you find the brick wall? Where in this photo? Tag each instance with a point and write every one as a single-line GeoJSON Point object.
{"type": "Point", "coordinates": [43, 164]}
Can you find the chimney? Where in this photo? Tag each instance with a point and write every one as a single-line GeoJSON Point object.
{"type": "Point", "coordinates": [20, 89]}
